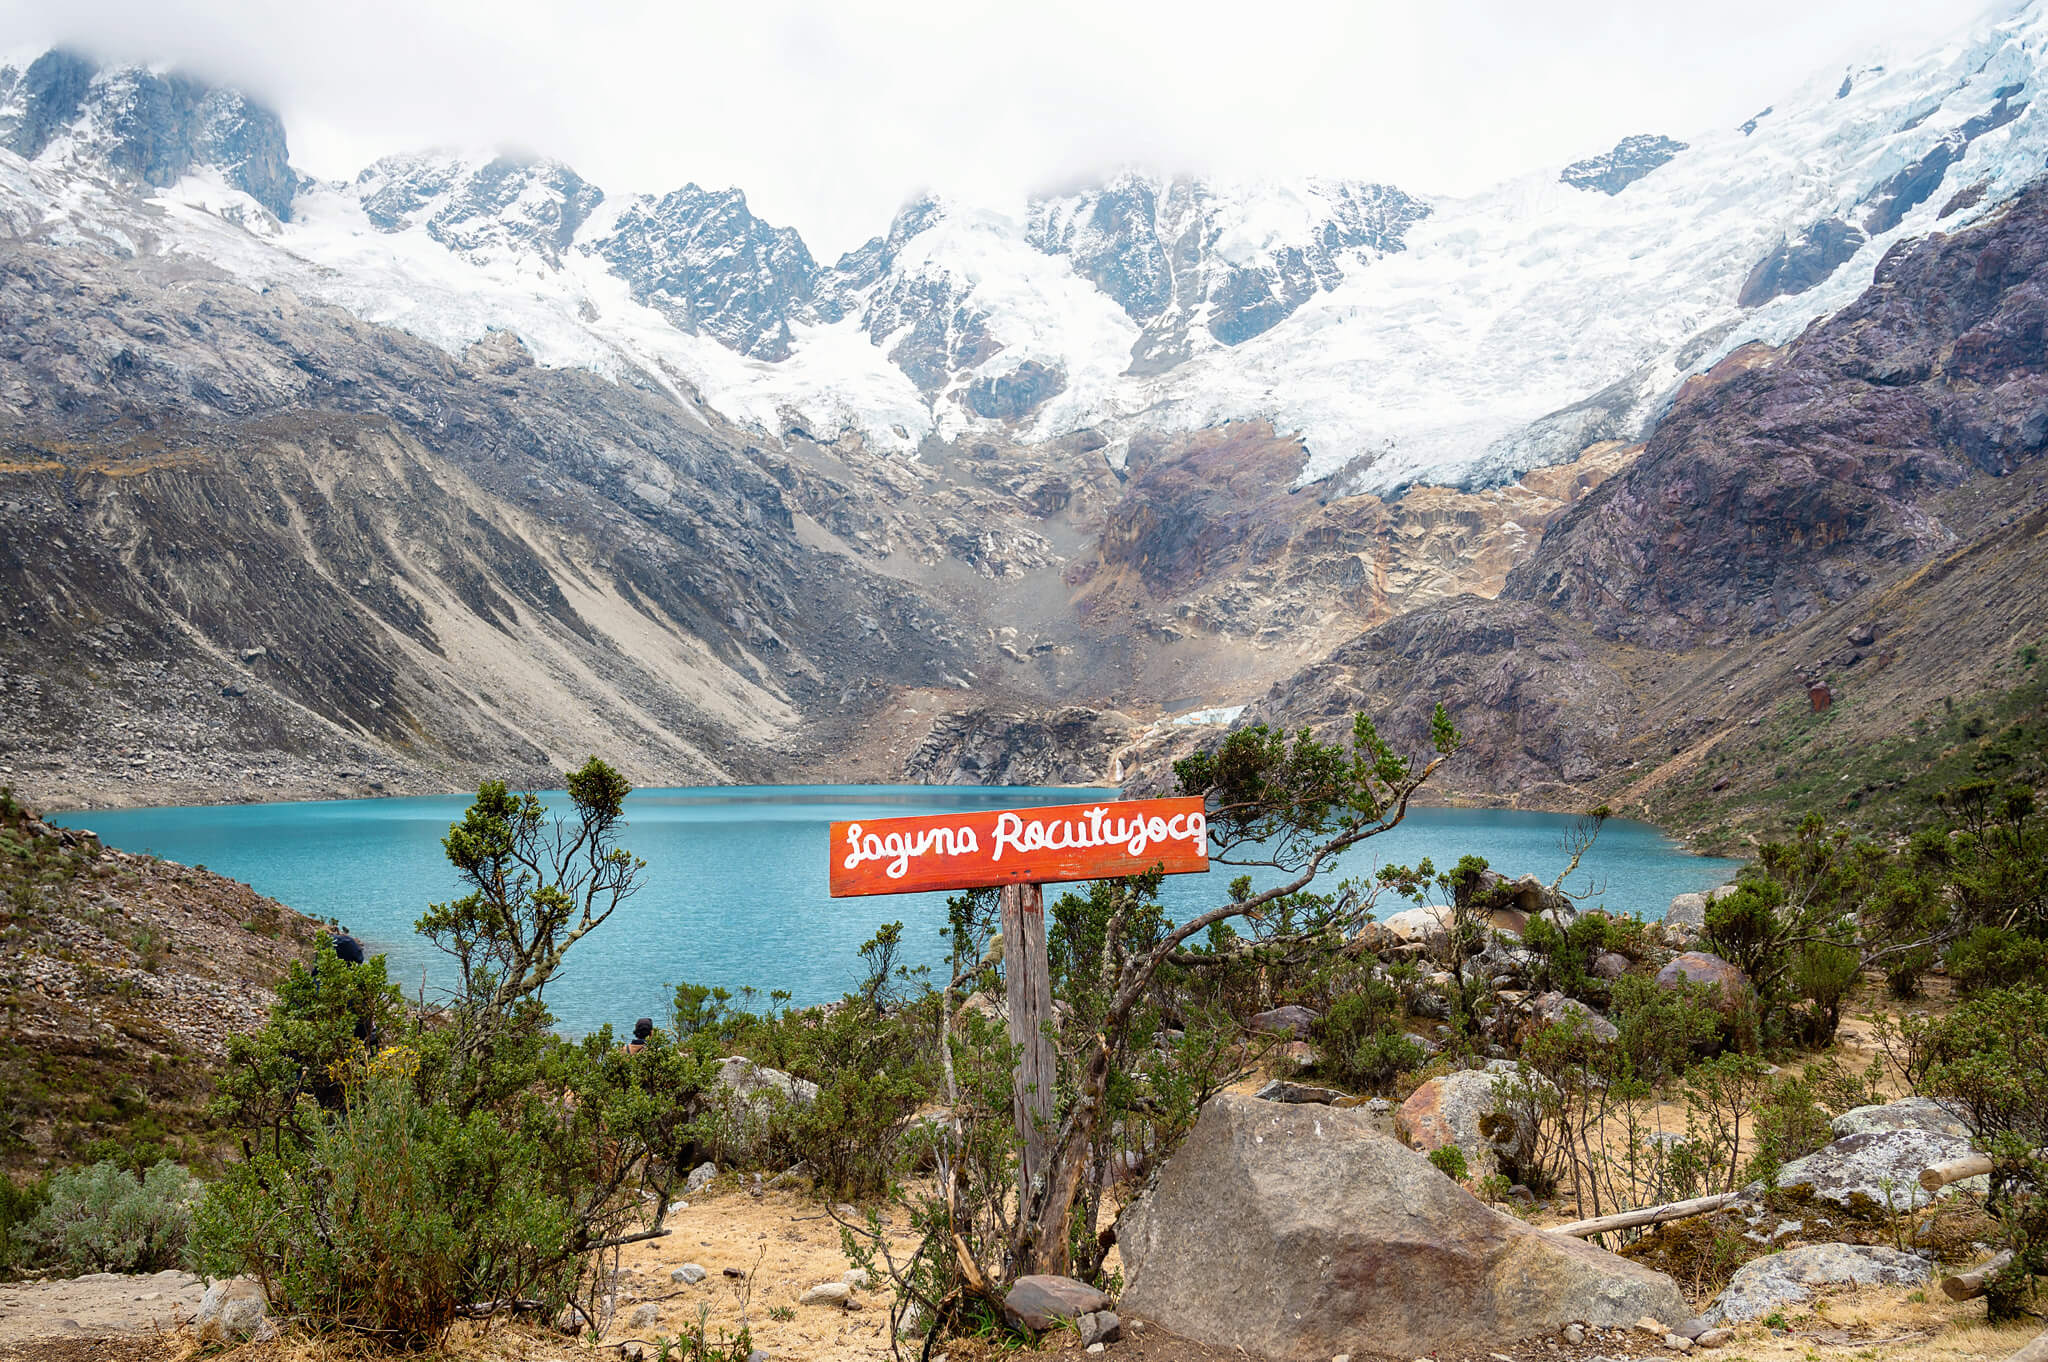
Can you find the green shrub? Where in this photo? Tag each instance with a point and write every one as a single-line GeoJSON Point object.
{"type": "Point", "coordinates": [1796, 1115]}
{"type": "Point", "coordinates": [1357, 1042]}
{"type": "Point", "coordinates": [1450, 1161]}
{"type": "Point", "coordinates": [104, 1219]}
{"type": "Point", "coordinates": [397, 1213]}
{"type": "Point", "coordinates": [1564, 955]}
{"type": "Point", "coordinates": [466, 1155]}
{"type": "Point", "coordinates": [1822, 977]}
{"type": "Point", "coordinates": [1990, 1056]}
{"type": "Point", "coordinates": [1661, 1029]}
{"type": "Point", "coordinates": [1997, 957]}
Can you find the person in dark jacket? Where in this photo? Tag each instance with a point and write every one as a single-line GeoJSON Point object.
{"type": "Point", "coordinates": [642, 1029]}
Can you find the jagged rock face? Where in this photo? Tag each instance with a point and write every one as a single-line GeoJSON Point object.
{"type": "Point", "coordinates": [1797, 266]}
{"type": "Point", "coordinates": [1015, 395]}
{"type": "Point", "coordinates": [1209, 538]}
{"type": "Point", "coordinates": [710, 266]}
{"type": "Point", "coordinates": [1779, 481]}
{"type": "Point", "coordinates": [1192, 502]}
{"type": "Point", "coordinates": [989, 746]}
{"type": "Point", "coordinates": [506, 206]}
{"type": "Point", "coordinates": [1536, 704]}
{"type": "Point", "coordinates": [154, 126]}
{"type": "Point", "coordinates": [1632, 158]}
{"type": "Point", "coordinates": [936, 327]}
{"type": "Point", "coordinates": [1174, 253]}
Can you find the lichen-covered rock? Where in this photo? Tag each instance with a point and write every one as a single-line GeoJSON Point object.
{"type": "Point", "coordinates": [1877, 1172]}
{"type": "Point", "coordinates": [1291, 1020]}
{"type": "Point", "coordinates": [234, 1311]}
{"type": "Point", "coordinates": [1688, 912]}
{"type": "Point", "coordinates": [1908, 1113]}
{"type": "Point", "coordinates": [827, 1293]}
{"type": "Point", "coordinates": [1790, 1278]}
{"type": "Point", "coordinates": [1552, 1008]}
{"type": "Point", "coordinates": [1428, 924]}
{"type": "Point", "coordinates": [1295, 1231]}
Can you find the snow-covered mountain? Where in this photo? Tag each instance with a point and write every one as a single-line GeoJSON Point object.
{"type": "Point", "coordinates": [1446, 340]}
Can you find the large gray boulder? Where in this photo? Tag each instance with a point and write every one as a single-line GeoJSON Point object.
{"type": "Point", "coordinates": [1297, 1232]}
{"type": "Point", "coordinates": [752, 1082]}
{"type": "Point", "coordinates": [1790, 1278]}
{"type": "Point", "coordinates": [1551, 1008]}
{"type": "Point", "coordinates": [1877, 1172]}
{"type": "Point", "coordinates": [1908, 1113]}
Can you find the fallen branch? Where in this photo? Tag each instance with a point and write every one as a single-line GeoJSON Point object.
{"type": "Point", "coordinates": [1967, 1286]}
{"type": "Point", "coordinates": [1648, 1215]}
{"type": "Point", "coordinates": [1955, 1170]}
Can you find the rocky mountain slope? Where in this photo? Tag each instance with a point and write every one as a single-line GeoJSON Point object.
{"type": "Point", "coordinates": [122, 978]}
{"type": "Point", "coordinates": [1821, 548]}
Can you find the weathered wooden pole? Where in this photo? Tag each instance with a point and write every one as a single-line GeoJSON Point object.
{"type": "Point", "coordinates": [1955, 1170]}
{"type": "Point", "coordinates": [1649, 1215]}
{"type": "Point", "coordinates": [1967, 1286]}
{"type": "Point", "coordinates": [1027, 985]}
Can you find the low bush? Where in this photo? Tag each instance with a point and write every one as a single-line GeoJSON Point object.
{"type": "Point", "coordinates": [1359, 1044]}
{"type": "Point", "coordinates": [105, 1219]}
{"type": "Point", "coordinates": [1997, 957]}
{"type": "Point", "coordinates": [1989, 1057]}
{"type": "Point", "coordinates": [1450, 1161]}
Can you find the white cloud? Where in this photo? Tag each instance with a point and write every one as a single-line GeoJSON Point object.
{"type": "Point", "coordinates": [830, 115]}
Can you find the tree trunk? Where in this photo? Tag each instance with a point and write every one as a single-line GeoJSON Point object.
{"type": "Point", "coordinates": [1028, 992]}
{"type": "Point", "coordinates": [1046, 1245]}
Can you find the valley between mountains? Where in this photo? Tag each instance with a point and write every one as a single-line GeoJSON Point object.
{"type": "Point", "coordinates": [470, 468]}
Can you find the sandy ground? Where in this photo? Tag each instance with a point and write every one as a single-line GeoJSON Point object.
{"type": "Point", "coordinates": [102, 1305]}
{"type": "Point", "coordinates": [785, 1243]}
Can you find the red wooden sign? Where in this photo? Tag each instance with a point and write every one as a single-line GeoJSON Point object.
{"type": "Point", "coordinates": [1019, 846]}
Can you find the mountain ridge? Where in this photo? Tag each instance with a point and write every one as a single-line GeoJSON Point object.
{"type": "Point", "coordinates": [1146, 302]}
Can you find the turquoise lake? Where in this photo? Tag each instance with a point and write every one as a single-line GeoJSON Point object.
{"type": "Point", "coordinates": [735, 884]}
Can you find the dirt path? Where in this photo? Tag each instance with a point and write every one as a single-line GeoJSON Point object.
{"type": "Point", "coordinates": [35, 1317]}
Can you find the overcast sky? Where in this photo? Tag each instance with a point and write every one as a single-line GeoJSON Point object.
{"type": "Point", "coordinates": [830, 114]}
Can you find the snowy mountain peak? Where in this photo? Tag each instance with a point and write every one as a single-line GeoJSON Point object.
{"type": "Point", "coordinates": [703, 260]}
{"type": "Point", "coordinates": [500, 208]}
{"type": "Point", "coordinates": [1182, 256]}
{"type": "Point", "coordinates": [143, 124]}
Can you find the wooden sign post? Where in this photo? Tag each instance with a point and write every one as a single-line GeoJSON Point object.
{"type": "Point", "coordinates": [1021, 850]}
